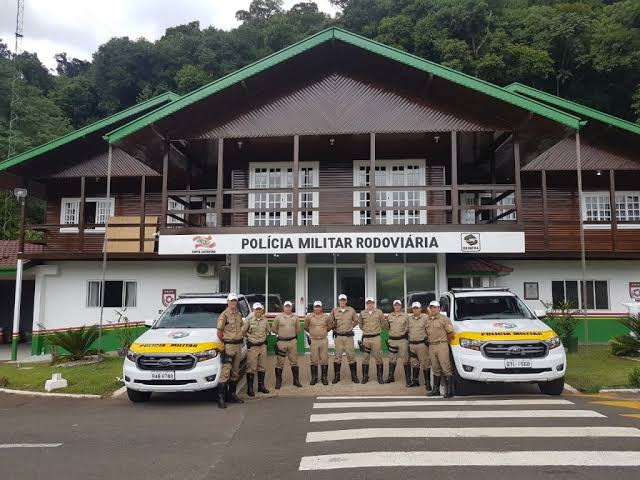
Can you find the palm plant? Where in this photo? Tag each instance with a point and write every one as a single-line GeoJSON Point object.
{"type": "Point", "coordinates": [627, 345]}
{"type": "Point", "coordinates": [75, 344]}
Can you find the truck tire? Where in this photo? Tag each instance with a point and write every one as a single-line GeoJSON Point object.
{"type": "Point", "coordinates": [138, 397]}
{"type": "Point", "coordinates": [553, 387]}
{"type": "Point", "coordinates": [461, 387]}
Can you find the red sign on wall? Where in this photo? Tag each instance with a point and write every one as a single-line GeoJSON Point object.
{"type": "Point", "coordinates": [634, 291]}
{"type": "Point", "coordinates": [168, 296]}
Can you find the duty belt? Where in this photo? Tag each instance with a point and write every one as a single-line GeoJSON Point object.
{"type": "Point", "coordinates": [286, 339]}
{"type": "Point", "coordinates": [347, 334]}
{"type": "Point", "coordinates": [373, 335]}
{"type": "Point", "coordinates": [437, 343]}
{"type": "Point", "coordinates": [259, 344]}
{"type": "Point", "coordinates": [403, 337]}
{"type": "Point", "coordinates": [232, 342]}
{"type": "Point", "coordinates": [417, 342]}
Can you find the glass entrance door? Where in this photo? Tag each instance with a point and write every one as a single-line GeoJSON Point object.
{"type": "Point", "coordinates": [351, 282]}
{"type": "Point", "coordinates": [326, 283]}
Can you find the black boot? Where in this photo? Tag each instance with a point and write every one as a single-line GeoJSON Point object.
{"type": "Point", "coordinates": [448, 386]}
{"type": "Point", "coordinates": [278, 378]}
{"type": "Point", "coordinates": [250, 391]}
{"type": "Point", "coordinates": [354, 374]}
{"type": "Point", "coordinates": [336, 372]}
{"type": "Point", "coordinates": [379, 374]}
{"type": "Point", "coordinates": [231, 393]}
{"type": "Point", "coordinates": [295, 371]}
{"type": "Point", "coordinates": [222, 393]}
{"type": "Point", "coordinates": [407, 375]}
{"type": "Point", "coordinates": [392, 370]}
{"type": "Point", "coordinates": [261, 387]}
{"type": "Point", "coordinates": [415, 377]}
{"type": "Point", "coordinates": [325, 374]}
{"type": "Point", "coordinates": [427, 378]}
{"type": "Point", "coordinates": [365, 373]}
{"type": "Point", "coordinates": [314, 374]}
{"type": "Point", "coordinates": [435, 391]}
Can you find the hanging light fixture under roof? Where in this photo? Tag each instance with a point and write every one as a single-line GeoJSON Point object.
{"type": "Point", "coordinates": [599, 173]}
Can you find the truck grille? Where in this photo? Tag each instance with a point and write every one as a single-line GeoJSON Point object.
{"type": "Point", "coordinates": [514, 350]}
{"type": "Point", "coordinates": [166, 362]}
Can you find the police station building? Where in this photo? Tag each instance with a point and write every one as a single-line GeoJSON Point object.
{"type": "Point", "coordinates": [337, 165]}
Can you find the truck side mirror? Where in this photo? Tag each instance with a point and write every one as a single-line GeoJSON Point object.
{"type": "Point", "coordinates": [149, 323]}
{"type": "Point", "coordinates": [540, 313]}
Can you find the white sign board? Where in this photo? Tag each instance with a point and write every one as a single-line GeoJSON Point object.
{"type": "Point", "coordinates": [381, 242]}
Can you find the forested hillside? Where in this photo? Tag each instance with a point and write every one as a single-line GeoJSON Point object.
{"type": "Point", "coordinates": [587, 51]}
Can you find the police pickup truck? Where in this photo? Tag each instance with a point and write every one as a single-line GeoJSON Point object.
{"type": "Point", "coordinates": [181, 350]}
{"type": "Point", "coordinates": [500, 339]}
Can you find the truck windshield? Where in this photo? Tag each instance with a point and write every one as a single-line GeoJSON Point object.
{"type": "Point", "coordinates": [480, 308]}
{"type": "Point", "coordinates": [190, 315]}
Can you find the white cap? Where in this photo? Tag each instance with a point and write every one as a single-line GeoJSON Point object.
{"type": "Point", "coordinates": [342, 296]}
{"type": "Point", "coordinates": [232, 296]}
{"type": "Point", "coordinates": [397, 302]}
{"type": "Point", "coordinates": [257, 306]}
{"type": "Point", "coordinates": [434, 303]}
{"type": "Point", "coordinates": [416, 305]}
{"type": "Point", "coordinates": [288, 303]}
{"type": "Point", "coordinates": [370, 299]}
{"type": "Point", "coordinates": [317, 303]}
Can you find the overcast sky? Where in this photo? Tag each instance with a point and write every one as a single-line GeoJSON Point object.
{"type": "Point", "coordinates": [78, 27]}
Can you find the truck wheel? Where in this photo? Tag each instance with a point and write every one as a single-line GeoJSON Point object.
{"type": "Point", "coordinates": [461, 387]}
{"type": "Point", "coordinates": [138, 397]}
{"type": "Point", "coordinates": [554, 387]}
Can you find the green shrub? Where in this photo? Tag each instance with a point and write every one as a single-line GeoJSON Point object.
{"type": "Point", "coordinates": [634, 378]}
{"type": "Point", "coordinates": [76, 344]}
{"type": "Point", "coordinates": [627, 345]}
{"type": "Point", "coordinates": [561, 316]}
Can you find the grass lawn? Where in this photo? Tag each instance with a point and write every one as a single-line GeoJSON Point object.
{"type": "Point", "coordinates": [597, 369]}
{"type": "Point", "coordinates": [97, 379]}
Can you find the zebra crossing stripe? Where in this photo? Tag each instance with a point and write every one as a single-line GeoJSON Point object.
{"type": "Point", "coordinates": [469, 458]}
{"type": "Point", "coordinates": [472, 432]}
{"type": "Point", "coordinates": [378, 397]}
{"type": "Point", "coordinates": [462, 403]}
{"type": "Point", "coordinates": [333, 417]}
{"type": "Point", "coordinates": [29, 445]}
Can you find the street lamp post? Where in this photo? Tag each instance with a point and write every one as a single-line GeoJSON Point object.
{"type": "Point", "coordinates": [21, 195]}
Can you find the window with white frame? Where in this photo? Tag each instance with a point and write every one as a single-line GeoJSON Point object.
{"type": "Point", "coordinates": [570, 292]}
{"type": "Point", "coordinates": [393, 207]}
{"type": "Point", "coordinates": [117, 293]}
{"type": "Point", "coordinates": [195, 203]}
{"type": "Point", "coordinates": [596, 207]}
{"type": "Point", "coordinates": [280, 175]}
{"type": "Point", "coordinates": [96, 211]}
{"type": "Point", "coordinates": [471, 216]}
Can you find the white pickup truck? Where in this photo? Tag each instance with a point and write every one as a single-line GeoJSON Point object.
{"type": "Point", "coordinates": [500, 339]}
{"type": "Point", "coordinates": [181, 350]}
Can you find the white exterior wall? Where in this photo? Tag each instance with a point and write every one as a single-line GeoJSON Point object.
{"type": "Point", "coordinates": [62, 292]}
{"type": "Point", "coordinates": [617, 272]}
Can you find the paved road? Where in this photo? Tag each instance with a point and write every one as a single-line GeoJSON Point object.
{"type": "Point", "coordinates": [502, 436]}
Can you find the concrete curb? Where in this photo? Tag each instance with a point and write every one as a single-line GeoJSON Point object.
{"type": "Point", "coordinates": [120, 391]}
{"type": "Point", "coordinates": [43, 394]}
{"type": "Point", "coordinates": [619, 390]}
{"type": "Point", "coordinates": [569, 388]}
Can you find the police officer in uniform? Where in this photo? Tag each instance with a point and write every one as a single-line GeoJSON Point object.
{"type": "Point", "coordinates": [418, 346]}
{"type": "Point", "coordinates": [371, 324]}
{"type": "Point", "coordinates": [440, 332]}
{"type": "Point", "coordinates": [256, 330]}
{"type": "Point", "coordinates": [343, 318]}
{"type": "Point", "coordinates": [317, 326]}
{"type": "Point", "coordinates": [397, 323]}
{"type": "Point", "coordinates": [286, 327]}
{"type": "Point", "coordinates": [230, 328]}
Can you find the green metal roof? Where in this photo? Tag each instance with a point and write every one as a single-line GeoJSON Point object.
{"type": "Point", "coordinates": [84, 131]}
{"type": "Point", "coordinates": [329, 34]}
{"type": "Point", "coordinates": [574, 107]}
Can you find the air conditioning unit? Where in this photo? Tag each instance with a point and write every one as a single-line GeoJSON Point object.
{"type": "Point", "coordinates": [206, 269]}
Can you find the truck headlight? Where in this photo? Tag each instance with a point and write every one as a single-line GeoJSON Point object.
{"type": "Point", "coordinates": [471, 344]}
{"type": "Point", "coordinates": [553, 342]}
{"type": "Point", "coordinates": [207, 354]}
{"type": "Point", "coordinates": [133, 356]}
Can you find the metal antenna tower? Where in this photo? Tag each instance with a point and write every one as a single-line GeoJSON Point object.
{"type": "Point", "coordinates": [15, 96]}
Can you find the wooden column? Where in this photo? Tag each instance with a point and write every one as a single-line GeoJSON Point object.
{"type": "Point", "coordinates": [165, 182]}
{"type": "Point", "coordinates": [372, 178]}
{"type": "Point", "coordinates": [455, 196]}
{"type": "Point", "coordinates": [296, 178]}
{"type": "Point", "coordinates": [83, 198]}
{"type": "Point", "coordinates": [545, 209]}
{"type": "Point", "coordinates": [516, 175]}
{"type": "Point", "coordinates": [219, 195]}
{"type": "Point", "coordinates": [614, 209]}
{"type": "Point", "coordinates": [143, 211]}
